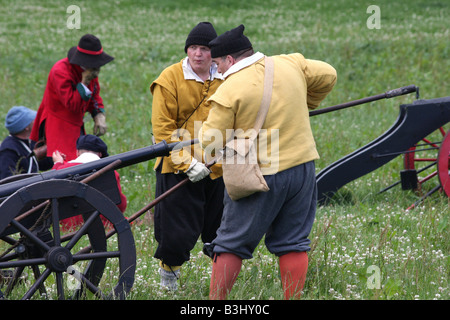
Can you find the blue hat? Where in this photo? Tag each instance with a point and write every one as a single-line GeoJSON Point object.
{"type": "Point", "coordinates": [92, 143]}
{"type": "Point", "coordinates": [18, 118]}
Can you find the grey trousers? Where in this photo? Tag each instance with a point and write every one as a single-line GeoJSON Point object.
{"type": "Point", "coordinates": [285, 215]}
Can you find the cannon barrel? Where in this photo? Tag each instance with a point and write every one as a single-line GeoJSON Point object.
{"type": "Point", "coordinates": [127, 158]}
{"type": "Point", "coordinates": [387, 95]}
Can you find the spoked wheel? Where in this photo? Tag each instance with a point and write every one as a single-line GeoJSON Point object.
{"type": "Point", "coordinates": [425, 161]}
{"type": "Point", "coordinates": [51, 255]}
{"type": "Point", "coordinates": [414, 161]}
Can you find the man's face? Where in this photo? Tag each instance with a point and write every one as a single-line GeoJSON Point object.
{"type": "Point", "coordinates": [94, 72]}
{"type": "Point", "coordinates": [199, 57]}
{"type": "Point", "coordinates": [223, 63]}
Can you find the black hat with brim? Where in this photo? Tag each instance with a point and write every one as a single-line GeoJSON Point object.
{"type": "Point", "coordinates": [89, 53]}
{"type": "Point", "coordinates": [230, 42]}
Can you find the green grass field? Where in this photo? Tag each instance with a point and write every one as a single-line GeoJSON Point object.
{"type": "Point", "coordinates": [361, 230]}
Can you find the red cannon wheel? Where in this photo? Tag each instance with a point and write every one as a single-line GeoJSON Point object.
{"type": "Point", "coordinates": [443, 164]}
{"type": "Point", "coordinates": [412, 159]}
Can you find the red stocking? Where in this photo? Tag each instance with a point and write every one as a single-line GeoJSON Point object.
{"type": "Point", "coordinates": [293, 268]}
{"type": "Point", "coordinates": [226, 268]}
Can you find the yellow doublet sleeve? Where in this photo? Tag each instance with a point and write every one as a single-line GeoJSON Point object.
{"type": "Point", "coordinates": [164, 113]}
{"type": "Point", "coordinates": [320, 78]}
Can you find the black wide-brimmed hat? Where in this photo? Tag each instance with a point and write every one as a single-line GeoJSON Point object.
{"type": "Point", "coordinates": [229, 42]}
{"type": "Point", "coordinates": [89, 53]}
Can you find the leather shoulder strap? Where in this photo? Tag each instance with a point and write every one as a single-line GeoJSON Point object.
{"type": "Point", "coordinates": [267, 96]}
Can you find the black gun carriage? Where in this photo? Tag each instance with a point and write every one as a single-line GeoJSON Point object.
{"type": "Point", "coordinates": [409, 136]}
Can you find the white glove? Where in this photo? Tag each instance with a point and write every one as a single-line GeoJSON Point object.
{"type": "Point", "coordinates": [197, 171]}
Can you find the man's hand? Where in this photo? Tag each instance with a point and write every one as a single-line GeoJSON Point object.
{"type": "Point", "coordinates": [197, 171]}
{"type": "Point", "coordinates": [100, 124]}
{"type": "Point", "coordinates": [88, 75]}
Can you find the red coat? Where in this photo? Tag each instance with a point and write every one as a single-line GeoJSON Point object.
{"type": "Point", "coordinates": [69, 223]}
{"type": "Point", "coordinates": [63, 108]}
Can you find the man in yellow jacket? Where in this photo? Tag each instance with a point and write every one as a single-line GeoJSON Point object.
{"type": "Point", "coordinates": [286, 212]}
{"type": "Point", "coordinates": [180, 105]}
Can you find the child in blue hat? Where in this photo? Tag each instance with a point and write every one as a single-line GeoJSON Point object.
{"type": "Point", "coordinates": [18, 154]}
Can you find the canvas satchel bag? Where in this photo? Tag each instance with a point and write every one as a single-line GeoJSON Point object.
{"type": "Point", "coordinates": [241, 173]}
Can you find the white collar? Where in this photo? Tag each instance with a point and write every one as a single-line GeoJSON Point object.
{"type": "Point", "coordinates": [189, 73]}
{"type": "Point", "coordinates": [241, 64]}
{"type": "Point", "coordinates": [85, 158]}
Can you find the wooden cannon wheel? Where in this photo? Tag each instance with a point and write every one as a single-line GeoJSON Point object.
{"type": "Point", "coordinates": [52, 253]}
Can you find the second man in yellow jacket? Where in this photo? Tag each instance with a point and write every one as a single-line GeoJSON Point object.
{"type": "Point", "coordinates": [180, 105]}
